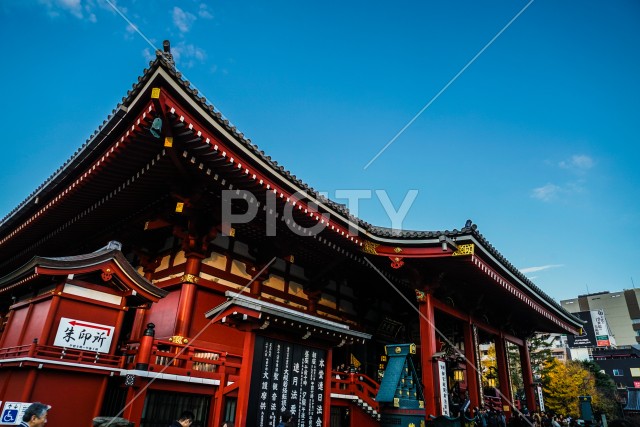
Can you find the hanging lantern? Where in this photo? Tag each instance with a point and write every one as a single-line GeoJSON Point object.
{"type": "Point", "coordinates": [458, 373]}
{"type": "Point", "coordinates": [156, 127]}
{"type": "Point", "coordinates": [491, 377]}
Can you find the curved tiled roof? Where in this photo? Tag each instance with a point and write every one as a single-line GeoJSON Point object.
{"type": "Point", "coordinates": [408, 235]}
{"type": "Point", "coordinates": [111, 252]}
{"type": "Point", "coordinates": [165, 61]}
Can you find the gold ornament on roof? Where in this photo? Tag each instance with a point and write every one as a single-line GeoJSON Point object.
{"type": "Point", "coordinates": [464, 250]}
{"type": "Point", "coordinates": [370, 247]}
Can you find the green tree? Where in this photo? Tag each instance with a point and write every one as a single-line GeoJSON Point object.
{"type": "Point", "coordinates": [515, 371]}
{"type": "Point", "coordinates": [606, 390]}
{"type": "Point", "coordinates": [539, 353]}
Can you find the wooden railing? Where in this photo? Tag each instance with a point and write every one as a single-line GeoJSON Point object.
{"type": "Point", "coordinates": [358, 385]}
{"type": "Point", "coordinates": [492, 402]}
{"type": "Point", "coordinates": [60, 353]}
{"type": "Point", "coordinates": [166, 357]}
{"type": "Point", "coordinates": [170, 358]}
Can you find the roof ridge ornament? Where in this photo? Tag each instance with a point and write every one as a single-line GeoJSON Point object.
{"type": "Point", "coordinates": [112, 245]}
{"type": "Point", "coordinates": [166, 54]}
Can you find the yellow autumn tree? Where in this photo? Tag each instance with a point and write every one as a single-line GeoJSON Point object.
{"type": "Point", "coordinates": [563, 383]}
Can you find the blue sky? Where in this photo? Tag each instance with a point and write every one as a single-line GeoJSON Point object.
{"type": "Point", "coordinates": [536, 140]}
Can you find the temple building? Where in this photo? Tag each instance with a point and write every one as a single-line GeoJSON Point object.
{"type": "Point", "coordinates": [171, 265]}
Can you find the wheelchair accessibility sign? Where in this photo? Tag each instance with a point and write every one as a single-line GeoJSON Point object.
{"type": "Point", "coordinates": [12, 413]}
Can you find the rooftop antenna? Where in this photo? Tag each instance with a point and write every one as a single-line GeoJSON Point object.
{"type": "Point", "coordinates": [633, 284]}
{"type": "Point", "coordinates": [587, 285]}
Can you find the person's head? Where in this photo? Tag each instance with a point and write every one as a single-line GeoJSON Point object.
{"type": "Point", "coordinates": [36, 414]}
{"type": "Point", "coordinates": [286, 416]}
{"type": "Point", "coordinates": [186, 418]}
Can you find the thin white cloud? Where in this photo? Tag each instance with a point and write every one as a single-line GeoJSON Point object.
{"type": "Point", "coordinates": [546, 193]}
{"type": "Point", "coordinates": [77, 8]}
{"type": "Point", "coordinates": [148, 55]}
{"type": "Point", "coordinates": [203, 12]}
{"type": "Point", "coordinates": [188, 55]}
{"type": "Point", "coordinates": [577, 163]}
{"type": "Point", "coordinates": [183, 20]}
{"type": "Point", "coordinates": [540, 268]}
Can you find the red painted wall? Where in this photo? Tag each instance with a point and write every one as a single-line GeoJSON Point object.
{"type": "Point", "coordinates": [73, 396]}
{"type": "Point", "coordinates": [163, 315]}
{"type": "Point", "coordinates": [35, 322]}
{"type": "Point", "coordinates": [11, 382]}
{"type": "Point", "coordinates": [359, 418]}
{"type": "Point", "coordinates": [13, 330]}
{"type": "Point", "coordinates": [214, 333]}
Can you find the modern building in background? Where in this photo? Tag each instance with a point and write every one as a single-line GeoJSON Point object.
{"type": "Point", "coordinates": [610, 337]}
{"type": "Point", "coordinates": [621, 310]}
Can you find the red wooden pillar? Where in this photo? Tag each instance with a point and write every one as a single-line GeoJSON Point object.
{"type": "Point", "coordinates": [472, 366]}
{"type": "Point", "coordinates": [503, 372]}
{"type": "Point", "coordinates": [187, 295]}
{"type": "Point", "coordinates": [7, 324]}
{"type": "Point", "coordinates": [21, 339]}
{"type": "Point", "coordinates": [118, 328]}
{"type": "Point", "coordinates": [138, 324]}
{"type": "Point", "coordinates": [218, 400]}
{"type": "Point", "coordinates": [28, 385]}
{"type": "Point", "coordinates": [138, 320]}
{"type": "Point", "coordinates": [100, 397]}
{"type": "Point", "coordinates": [134, 403]}
{"type": "Point", "coordinates": [244, 382]}
{"type": "Point", "coordinates": [527, 377]}
{"type": "Point", "coordinates": [427, 349]}
{"type": "Point", "coordinates": [146, 346]}
{"type": "Point", "coordinates": [51, 315]}
{"type": "Point", "coordinates": [312, 301]}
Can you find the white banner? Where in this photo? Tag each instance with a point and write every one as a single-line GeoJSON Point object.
{"type": "Point", "coordinates": [540, 398]}
{"type": "Point", "coordinates": [444, 387]}
{"type": "Point", "coordinates": [600, 328]}
{"type": "Point", "coordinates": [83, 335]}
{"type": "Point", "coordinates": [599, 322]}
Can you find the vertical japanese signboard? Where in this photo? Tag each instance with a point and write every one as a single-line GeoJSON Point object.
{"type": "Point", "coordinates": [444, 387]}
{"type": "Point", "coordinates": [286, 377]}
{"type": "Point", "coordinates": [540, 397]}
{"type": "Point", "coordinates": [600, 328]}
{"type": "Point", "coordinates": [83, 335]}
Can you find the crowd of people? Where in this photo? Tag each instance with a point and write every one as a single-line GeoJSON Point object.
{"type": "Point", "coordinates": [489, 417]}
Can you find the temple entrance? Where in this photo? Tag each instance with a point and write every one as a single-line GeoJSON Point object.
{"type": "Point", "coordinates": [161, 408]}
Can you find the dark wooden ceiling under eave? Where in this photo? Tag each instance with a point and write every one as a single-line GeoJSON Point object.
{"type": "Point", "coordinates": [134, 177]}
{"type": "Point", "coordinates": [459, 284]}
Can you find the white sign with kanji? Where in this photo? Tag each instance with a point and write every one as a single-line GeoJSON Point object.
{"type": "Point", "coordinates": [83, 335]}
{"type": "Point", "coordinates": [444, 388]}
